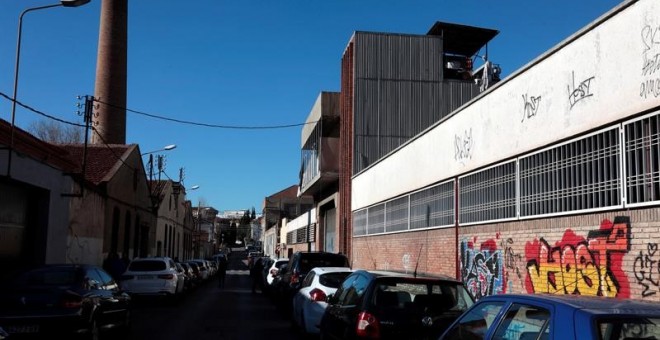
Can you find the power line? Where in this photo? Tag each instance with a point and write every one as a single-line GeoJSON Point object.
{"type": "Point", "coordinates": [41, 112]}
{"type": "Point", "coordinates": [205, 124]}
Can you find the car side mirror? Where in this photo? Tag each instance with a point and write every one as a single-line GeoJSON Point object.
{"type": "Point", "coordinates": [330, 299]}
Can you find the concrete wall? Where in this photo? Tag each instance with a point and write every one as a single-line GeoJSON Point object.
{"type": "Point", "coordinates": [86, 229]}
{"type": "Point", "coordinates": [51, 180]}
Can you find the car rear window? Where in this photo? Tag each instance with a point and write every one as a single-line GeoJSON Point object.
{"type": "Point", "coordinates": [637, 327]}
{"type": "Point", "coordinates": [433, 296]}
{"type": "Point", "coordinates": [48, 277]}
{"type": "Point", "coordinates": [309, 261]}
{"type": "Point", "coordinates": [147, 266]}
{"type": "Point", "coordinates": [279, 264]}
{"type": "Point", "coordinates": [333, 280]}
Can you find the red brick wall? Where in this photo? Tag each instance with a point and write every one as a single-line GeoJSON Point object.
{"type": "Point", "coordinates": [611, 254]}
{"type": "Point", "coordinates": [345, 228]}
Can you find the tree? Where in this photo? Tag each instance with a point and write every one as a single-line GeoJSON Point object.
{"type": "Point", "coordinates": [254, 214]}
{"type": "Point", "coordinates": [57, 133]}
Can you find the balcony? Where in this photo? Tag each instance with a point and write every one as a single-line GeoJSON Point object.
{"type": "Point", "coordinates": [319, 168]}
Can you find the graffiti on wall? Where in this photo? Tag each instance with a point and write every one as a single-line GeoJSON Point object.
{"type": "Point", "coordinates": [650, 86]}
{"type": "Point", "coordinates": [481, 269]}
{"type": "Point", "coordinates": [578, 265]}
{"type": "Point", "coordinates": [579, 92]}
{"type": "Point", "coordinates": [647, 270]}
{"type": "Point", "coordinates": [512, 261]}
{"type": "Point", "coordinates": [463, 146]}
{"type": "Point", "coordinates": [530, 107]}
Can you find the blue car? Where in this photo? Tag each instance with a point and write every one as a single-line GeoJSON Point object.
{"type": "Point", "coordinates": [540, 316]}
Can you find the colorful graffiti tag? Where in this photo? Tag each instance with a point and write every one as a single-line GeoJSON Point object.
{"type": "Point", "coordinates": [481, 269]}
{"type": "Point", "coordinates": [575, 265]}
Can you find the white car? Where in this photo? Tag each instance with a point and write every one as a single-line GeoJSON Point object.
{"type": "Point", "coordinates": [309, 302]}
{"type": "Point", "coordinates": [152, 276]}
{"type": "Point", "coordinates": [274, 269]}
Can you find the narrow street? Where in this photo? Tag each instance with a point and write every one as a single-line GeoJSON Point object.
{"type": "Point", "coordinates": [210, 312]}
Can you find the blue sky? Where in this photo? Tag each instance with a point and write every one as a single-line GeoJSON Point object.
{"type": "Point", "coordinates": [242, 63]}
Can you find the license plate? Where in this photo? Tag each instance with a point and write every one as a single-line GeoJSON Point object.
{"type": "Point", "coordinates": [22, 329]}
{"type": "Point", "coordinates": [145, 277]}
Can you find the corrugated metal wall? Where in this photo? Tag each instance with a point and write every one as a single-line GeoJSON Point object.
{"type": "Point", "coordinates": [399, 91]}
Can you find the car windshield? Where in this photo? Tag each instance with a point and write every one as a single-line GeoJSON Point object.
{"type": "Point", "coordinates": [637, 327]}
{"type": "Point", "coordinates": [147, 266]}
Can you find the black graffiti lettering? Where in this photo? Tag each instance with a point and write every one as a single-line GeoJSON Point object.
{"type": "Point", "coordinates": [463, 146]}
{"type": "Point", "coordinates": [650, 88]}
{"type": "Point", "coordinates": [651, 65]}
{"type": "Point", "coordinates": [650, 37]}
{"type": "Point", "coordinates": [531, 106]}
{"type": "Point", "coordinates": [647, 271]}
{"type": "Point", "coordinates": [583, 90]}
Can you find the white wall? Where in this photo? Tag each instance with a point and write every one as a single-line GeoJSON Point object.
{"type": "Point", "coordinates": [598, 78]}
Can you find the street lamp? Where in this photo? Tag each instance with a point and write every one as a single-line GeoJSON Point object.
{"type": "Point", "coordinates": [166, 148]}
{"type": "Point", "coordinates": [64, 3]}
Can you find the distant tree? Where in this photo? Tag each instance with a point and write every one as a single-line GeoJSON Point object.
{"type": "Point", "coordinates": [57, 133]}
{"type": "Point", "coordinates": [254, 214]}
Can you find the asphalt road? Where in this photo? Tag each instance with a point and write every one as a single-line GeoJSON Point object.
{"type": "Point", "coordinates": [209, 312]}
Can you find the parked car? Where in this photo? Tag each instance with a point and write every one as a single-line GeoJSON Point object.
{"type": "Point", "coordinates": [309, 302]}
{"type": "Point", "coordinates": [155, 276]}
{"type": "Point", "coordinates": [386, 305]}
{"type": "Point", "coordinates": [298, 267]}
{"type": "Point", "coordinates": [543, 316]}
{"type": "Point", "coordinates": [274, 269]}
{"type": "Point", "coordinates": [63, 301]}
{"type": "Point", "coordinates": [204, 270]}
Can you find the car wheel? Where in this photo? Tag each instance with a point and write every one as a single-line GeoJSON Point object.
{"type": "Point", "coordinates": [94, 332]}
{"type": "Point", "coordinates": [303, 323]}
{"type": "Point", "coordinates": [126, 327]}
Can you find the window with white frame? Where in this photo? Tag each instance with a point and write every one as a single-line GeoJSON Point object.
{"type": "Point", "coordinates": [432, 207]}
{"type": "Point", "coordinates": [489, 194]}
{"type": "Point", "coordinates": [360, 222]}
{"type": "Point", "coordinates": [642, 160]}
{"type": "Point", "coordinates": [397, 214]}
{"type": "Point", "coordinates": [376, 219]}
{"type": "Point", "coordinates": [580, 175]}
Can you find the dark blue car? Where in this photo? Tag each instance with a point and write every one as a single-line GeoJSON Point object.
{"type": "Point", "coordinates": [63, 301]}
{"type": "Point", "coordinates": [537, 316]}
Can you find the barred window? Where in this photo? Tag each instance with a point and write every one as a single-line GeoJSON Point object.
{"type": "Point", "coordinates": [360, 222]}
{"type": "Point", "coordinates": [376, 219]}
{"type": "Point", "coordinates": [579, 175]}
{"type": "Point", "coordinates": [290, 237]}
{"type": "Point", "coordinates": [397, 214]}
{"type": "Point", "coordinates": [432, 207]}
{"type": "Point", "coordinates": [642, 165]}
{"type": "Point", "coordinates": [489, 194]}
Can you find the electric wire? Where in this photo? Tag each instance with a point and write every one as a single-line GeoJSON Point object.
{"type": "Point", "coordinates": [41, 112]}
{"type": "Point", "coordinates": [220, 126]}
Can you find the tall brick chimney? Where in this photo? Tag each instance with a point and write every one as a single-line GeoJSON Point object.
{"type": "Point", "coordinates": [110, 85]}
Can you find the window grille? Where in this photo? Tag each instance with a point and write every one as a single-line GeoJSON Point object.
{"type": "Point", "coordinates": [489, 194]}
{"type": "Point", "coordinates": [579, 175]}
{"type": "Point", "coordinates": [376, 219]}
{"type": "Point", "coordinates": [397, 214]}
{"type": "Point", "coordinates": [360, 222]}
{"type": "Point", "coordinates": [642, 160]}
{"type": "Point", "coordinates": [432, 207]}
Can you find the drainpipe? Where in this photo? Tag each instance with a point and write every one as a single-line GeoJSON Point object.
{"type": "Point", "coordinates": [458, 262]}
